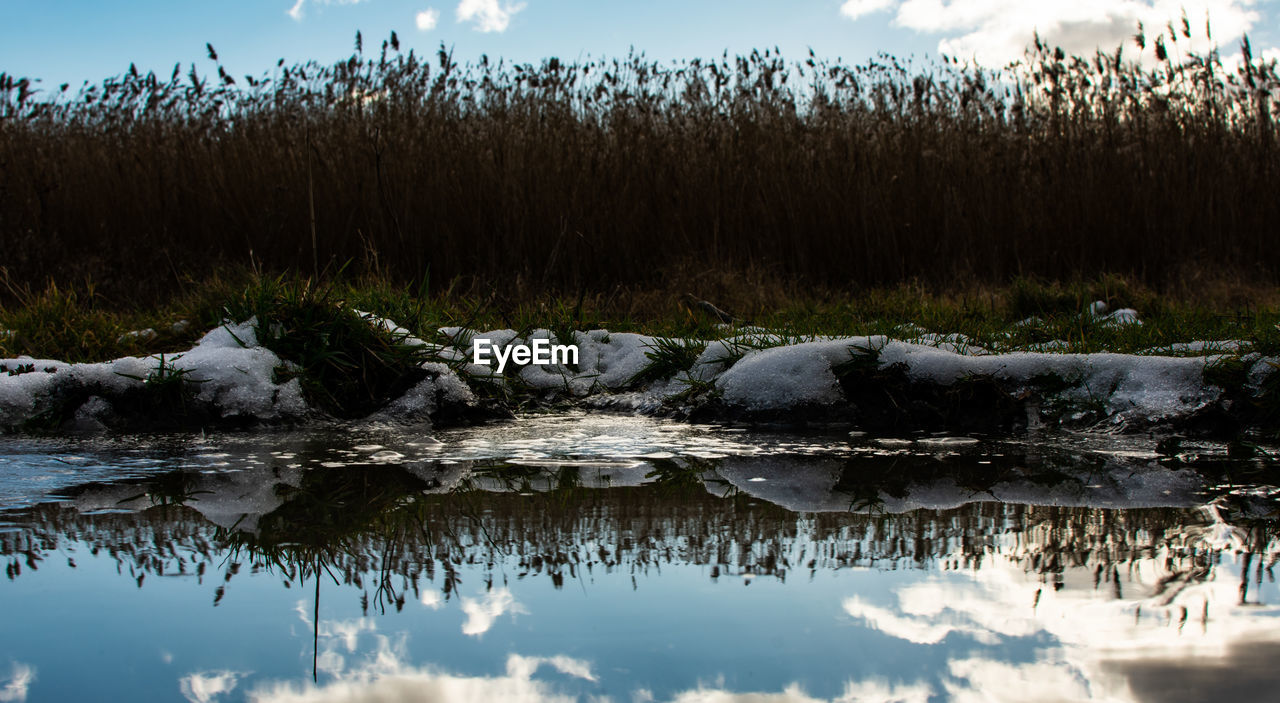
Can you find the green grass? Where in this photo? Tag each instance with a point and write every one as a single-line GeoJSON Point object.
{"type": "Point", "coordinates": [345, 365]}
{"type": "Point", "coordinates": [668, 357]}
{"type": "Point", "coordinates": [313, 324]}
{"type": "Point", "coordinates": [171, 389]}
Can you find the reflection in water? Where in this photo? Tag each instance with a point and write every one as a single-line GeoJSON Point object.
{"type": "Point", "coordinates": [19, 680]}
{"type": "Point", "coordinates": [203, 687]}
{"type": "Point", "coordinates": [992, 573]}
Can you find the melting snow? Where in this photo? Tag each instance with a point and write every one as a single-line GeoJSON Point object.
{"type": "Point", "coordinates": [237, 375]}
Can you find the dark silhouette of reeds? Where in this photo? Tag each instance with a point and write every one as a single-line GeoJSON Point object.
{"type": "Point", "coordinates": [590, 175]}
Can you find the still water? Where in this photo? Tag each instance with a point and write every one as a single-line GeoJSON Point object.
{"type": "Point", "coordinates": [602, 557]}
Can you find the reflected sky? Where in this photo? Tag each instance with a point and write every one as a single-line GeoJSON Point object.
{"type": "Point", "coordinates": [840, 573]}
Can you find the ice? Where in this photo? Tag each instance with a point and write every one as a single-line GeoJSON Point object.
{"type": "Point", "coordinates": [808, 485]}
{"type": "Point", "coordinates": [229, 499]}
{"type": "Point", "coordinates": [948, 442]}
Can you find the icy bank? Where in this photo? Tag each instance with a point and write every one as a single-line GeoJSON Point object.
{"type": "Point", "coordinates": [228, 378]}
{"type": "Point", "coordinates": [226, 375]}
{"type": "Point", "coordinates": [932, 381]}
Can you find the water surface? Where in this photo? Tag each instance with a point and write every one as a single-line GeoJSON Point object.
{"type": "Point", "coordinates": [591, 557]}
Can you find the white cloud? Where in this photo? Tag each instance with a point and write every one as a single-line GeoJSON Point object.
{"type": "Point", "coordinates": [1166, 621]}
{"type": "Point", "coordinates": [523, 667]}
{"type": "Point", "coordinates": [204, 687]}
{"type": "Point", "coordinates": [1235, 62]}
{"type": "Point", "coordinates": [918, 630]}
{"type": "Point", "coordinates": [347, 632]}
{"type": "Point", "coordinates": [854, 692]}
{"type": "Point", "coordinates": [385, 676]}
{"type": "Point", "coordinates": [296, 11]}
{"type": "Point", "coordinates": [874, 691]}
{"type": "Point", "coordinates": [987, 681]}
{"type": "Point", "coordinates": [21, 678]}
{"type": "Point", "coordinates": [488, 15]}
{"type": "Point", "coordinates": [853, 9]}
{"type": "Point", "coordinates": [482, 613]}
{"type": "Point", "coordinates": [427, 19]}
{"type": "Point", "coordinates": [432, 599]}
{"type": "Point", "coordinates": [996, 32]}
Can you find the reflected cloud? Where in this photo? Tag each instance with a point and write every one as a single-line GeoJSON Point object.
{"type": "Point", "coordinates": [482, 613]}
{"type": "Point", "coordinates": [345, 631]}
{"type": "Point", "coordinates": [879, 691]}
{"type": "Point", "coordinates": [871, 691]}
{"type": "Point", "coordinates": [518, 666]}
{"type": "Point", "coordinates": [930, 629]}
{"type": "Point", "coordinates": [985, 681]}
{"type": "Point", "coordinates": [384, 676]}
{"type": "Point", "coordinates": [1117, 631]}
{"type": "Point", "coordinates": [205, 687]}
{"type": "Point", "coordinates": [21, 677]}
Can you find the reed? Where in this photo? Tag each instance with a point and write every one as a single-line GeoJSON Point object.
{"type": "Point", "coordinates": [589, 175]}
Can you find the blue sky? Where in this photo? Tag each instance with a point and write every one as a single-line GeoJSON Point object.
{"type": "Point", "coordinates": [76, 40]}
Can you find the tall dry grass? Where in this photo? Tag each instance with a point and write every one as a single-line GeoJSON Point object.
{"type": "Point", "coordinates": [589, 175]}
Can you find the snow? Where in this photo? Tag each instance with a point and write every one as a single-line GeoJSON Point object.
{"type": "Point", "coordinates": [606, 361]}
{"type": "Point", "coordinates": [1261, 369]}
{"type": "Point", "coordinates": [235, 376]}
{"type": "Point", "coordinates": [397, 333]}
{"type": "Point", "coordinates": [1124, 316]}
{"type": "Point", "coordinates": [145, 335]}
{"type": "Point", "coordinates": [757, 373]}
{"type": "Point", "coordinates": [613, 358]}
{"type": "Point", "coordinates": [1227, 346]}
{"type": "Point", "coordinates": [781, 378]}
{"type": "Point", "coordinates": [421, 401]}
{"type": "Point", "coordinates": [1150, 386]}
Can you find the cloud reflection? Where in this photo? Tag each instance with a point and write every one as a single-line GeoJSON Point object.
{"type": "Point", "coordinates": [871, 691]}
{"type": "Point", "coordinates": [1115, 632]}
{"type": "Point", "coordinates": [205, 687]}
{"type": "Point", "coordinates": [20, 679]}
{"type": "Point", "coordinates": [482, 613]}
{"type": "Point", "coordinates": [385, 676]}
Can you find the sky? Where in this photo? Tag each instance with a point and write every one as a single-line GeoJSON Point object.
{"type": "Point", "coordinates": [71, 41]}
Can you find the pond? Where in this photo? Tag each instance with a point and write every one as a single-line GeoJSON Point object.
{"type": "Point", "coordinates": [609, 557]}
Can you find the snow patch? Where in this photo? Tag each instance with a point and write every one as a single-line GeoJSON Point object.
{"type": "Point", "coordinates": [787, 377]}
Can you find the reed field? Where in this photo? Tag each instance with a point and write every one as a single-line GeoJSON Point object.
{"type": "Point", "coordinates": [614, 174]}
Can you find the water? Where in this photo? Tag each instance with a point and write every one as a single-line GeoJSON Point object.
{"type": "Point", "coordinates": [591, 557]}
